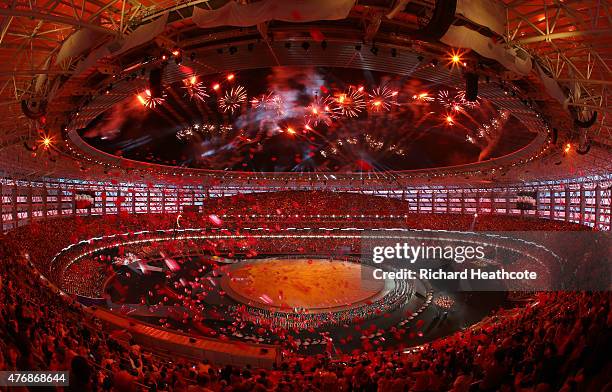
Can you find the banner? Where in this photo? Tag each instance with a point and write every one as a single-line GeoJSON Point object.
{"type": "Point", "coordinates": [251, 14]}
{"type": "Point", "coordinates": [143, 34]}
{"type": "Point", "coordinates": [487, 13]}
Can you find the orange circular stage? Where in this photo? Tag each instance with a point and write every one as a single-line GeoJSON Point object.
{"type": "Point", "coordinates": [310, 284]}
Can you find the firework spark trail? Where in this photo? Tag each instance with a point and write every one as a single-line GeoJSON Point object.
{"type": "Point", "coordinates": [288, 101]}
{"type": "Point", "coordinates": [266, 109]}
{"type": "Point", "coordinates": [456, 102]}
{"type": "Point", "coordinates": [326, 140]}
{"type": "Point", "coordinates": [460, 96]}
{"type": "Point", "coordinates": [149, 101]}
{"type": "Point", "coordinates": [472, 119]}
{"type": "Point", "coordinates": [233, 99]}
{"type": "Point", "coordinates": [340, 152]}
{"type": "Point", "coordinates": [422, 119]}
{"type": "Point", "coordinates": [382, 98]}
{"type": "Point", "coordinates": [459, 125]}
{"type": "Point", "coordinates": [352, 102]}
{"type": "Point", "coordinates": [268, 102]}
{"type": "Point", "coordinates": [423, 97]}
{"type": "Point", "coordinates": [209, 130]}
{"type": "Point", "coordinates": [348, 148]}
{"type": "Point", "coordinates": [323, 109]}
{"type": "Point", "coordinates": [487, 135]}
{"type": "Point", "coordinates": [279, 107]}
{"type": "Point", "coordinates": [195, 89]}
{"type": "Point", "coordinates": [445, 98]}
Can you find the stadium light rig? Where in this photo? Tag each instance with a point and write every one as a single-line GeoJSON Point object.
{"type": "Point", "coordinates": [46, 142]}
{"type": "Point", "coordinates": [456, 59]}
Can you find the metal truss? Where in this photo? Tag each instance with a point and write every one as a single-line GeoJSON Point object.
{"type": "Point", "coordinates": [568, 38]}
{"type": "Point", "coordinates": [570, 41]}
{"type": "Point", "coordinates": [31, 34]}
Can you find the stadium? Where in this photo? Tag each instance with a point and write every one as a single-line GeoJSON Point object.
{"type": "Point", "coordinates": [340, 195]}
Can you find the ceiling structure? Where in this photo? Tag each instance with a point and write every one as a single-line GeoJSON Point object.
{"type": "Point", "coordinates": [569, 40]}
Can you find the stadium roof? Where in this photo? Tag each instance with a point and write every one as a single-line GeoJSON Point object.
{"type": "Point", "coordinates": [40, 54]}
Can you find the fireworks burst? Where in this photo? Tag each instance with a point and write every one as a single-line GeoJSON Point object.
{"type": "Point", "coordinates": [445, 98]}
{"type": "Point", "coordinates": [322, 109]}
{"type": "Point", "coordinates": [352, 102]}
{"type": "Point", "coordinates": [189, 132]}
{"type": "Point", "coordinates": [368, 141]}
{"type": "Point", "coordinates": [148, 101]}
{"type": "Point", "coordinates": [489, 131]}
{"type": "Point", "coordinates": [382, 98]}
{"type": "Point", "coordinates": [195, 89]}
{"type": "Point", "coordinates": [460, 97]}
{"type": "Point", "coordinates": [184, 134]}
{"type": "Point", "coordinates": [423, 97]}
{"type": "Point", "coordinates": [449, 101]}
{"type": "Point", "coordinates": [233, 99]}
{"type": "Point", "coordinates": [268, 102]}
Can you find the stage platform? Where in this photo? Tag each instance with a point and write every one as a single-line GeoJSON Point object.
{"type": "Point", "coordinates": [312, 285]}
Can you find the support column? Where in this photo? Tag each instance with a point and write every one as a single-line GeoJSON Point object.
{"type": "Point", "coordinates": [103, 196]}
{"type": "Point", "coordinates": [462, 202]}
{"type": "Point", "coordinates": [74, 209]}
{"type": "Point", "coordinates": [553, 203]}
{"type": "Point", "coordinates": [582, 204]}
{"type": "Point", "coordinates": [14, 204]}
{"type": "Point", "coordinates": [433, 201]}
{"type": "Point", "coordinates": [59, 200]}
{"type": "Point", "coordinates": [45, 194]}
{"type": "Point", "coordinates": [1, 207]}
{"type": "Point", "coordinates": [30, 202]}
{"type": "Point", "coordinates": [538, 203]}
{"type": "Point", "coordinates": [597, 205]}
{"type": "Point", "coordinates": [568, 202]}
{"type": "Point", "coordinates": [148, 200]}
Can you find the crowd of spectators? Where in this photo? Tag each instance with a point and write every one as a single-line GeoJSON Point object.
{"type": "Point", "coordinates": [87, 277]}
{"type": "Point", "coordinates": [559, 341]}
{"type": "Point", "coordinates": [291, 209]}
